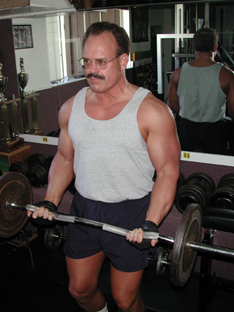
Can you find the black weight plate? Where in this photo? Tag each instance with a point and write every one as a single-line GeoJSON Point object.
{"type": "Point", "coordinates": [37, 175]}
{"type": "Point", "coordinates": [223, 197]}
{"type": "Point", "coordinates": [188, 194]}
{"type": "Point", "coordinates": [183, 257]}
{"type": "Point", "coordinates": [52, 237]}
{"type": "Point", "coordinates": [202, 180]}
{"type": "Point", "coordinates": [19, 166]}
{"type": "Point", "coordinates": [226, 180]}
{"type": "Point", "coordinates": [162, 258]}
{"type": "Point", "coordinates": [14, 188]}
{"type": "Point", "coordinates": [36, 158]}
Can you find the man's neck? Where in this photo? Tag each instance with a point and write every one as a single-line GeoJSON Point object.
{"type": "Point", "coordinates": [209, 56]}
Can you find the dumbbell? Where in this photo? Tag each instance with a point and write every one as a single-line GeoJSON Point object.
{"type": "Point", "coordinates": [20, 167]}
{"type": "Point", "coordinates": [37, 173]}
{"type": "Point", "coordinates": [223, 196]}
{"type": "Point", "coordinates": [197, 189]}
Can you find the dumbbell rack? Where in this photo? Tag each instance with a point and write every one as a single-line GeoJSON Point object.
{"type": "Point", "coordinates": [218, 215]}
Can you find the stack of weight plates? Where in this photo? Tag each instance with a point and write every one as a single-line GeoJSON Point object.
{"type": "Point", "coordinates": [132, 2]}
{"type": "Point", "coordinates": [100, 3]}
{"type": "Point", "coordinates": [116, 2]}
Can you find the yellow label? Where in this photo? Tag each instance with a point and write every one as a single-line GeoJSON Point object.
{"type": "Point", "coordinates": [186, 155]}
{"type": "Point", "coordinates": [44, 139]}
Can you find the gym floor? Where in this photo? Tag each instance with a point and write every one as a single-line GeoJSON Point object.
{"type": "Point", "coordinates": [42, 286]}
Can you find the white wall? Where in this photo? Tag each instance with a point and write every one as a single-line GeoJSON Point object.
{"type": "Point", "coordinates": [36, 62]}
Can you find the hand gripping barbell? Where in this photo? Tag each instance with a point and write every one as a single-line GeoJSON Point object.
{"type": "Point", "coordinates": [16, 194]}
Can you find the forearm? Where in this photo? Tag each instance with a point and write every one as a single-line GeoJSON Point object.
{"type": "Point", "coordinates": [162, 196]}
{"type": "Point", "coordinates": [60, 176]}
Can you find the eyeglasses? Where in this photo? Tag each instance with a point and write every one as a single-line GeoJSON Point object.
{"type": "Point", "coordinates": [101, 63]}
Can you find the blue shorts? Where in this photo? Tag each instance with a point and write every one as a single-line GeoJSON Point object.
{"type": "Point", "coordinates": [84, 240]}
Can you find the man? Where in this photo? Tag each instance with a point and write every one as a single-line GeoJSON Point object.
{"type": "Point", "coordinates": [198, 92]}
{"type": "Point", "coordinates": [113, 136]}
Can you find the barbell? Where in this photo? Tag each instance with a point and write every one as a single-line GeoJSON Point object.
{"type": "Point", "coordinates": [16, 199]}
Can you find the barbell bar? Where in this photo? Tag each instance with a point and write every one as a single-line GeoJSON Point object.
{"type": "Point", "coordinates": [16, 198]}
{"type": "Point", "coordinates": [70, 219]}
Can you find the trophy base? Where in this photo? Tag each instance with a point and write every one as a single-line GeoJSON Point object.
{"type": "Point", "coordinates": [11, 145]}
{"type": "Point", "coordinates": [35, 132]}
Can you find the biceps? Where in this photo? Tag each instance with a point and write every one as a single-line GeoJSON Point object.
{"type": "Point", "coordinates": [65, 146]}
{"type": "Point", "coordinates": [164, 150]}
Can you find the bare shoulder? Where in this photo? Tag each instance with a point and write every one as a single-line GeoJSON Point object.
{"type": "Point", "coordinates": [227, 71]}
{"type": "Point", "coordinates": [65, 111]}
{"type": "Point", "coordinates": [153, 105]}
{"type": "Point", "coordinates": [155, 114]}
{"type": "Point", "coordinates": [226, 79]}
{"type": "Point", "coordinates": [175, 76]}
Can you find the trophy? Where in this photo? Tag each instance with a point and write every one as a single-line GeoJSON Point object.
{"type": "Point", "coordinates": [15, 122]}
{"type": "Point", "coordinates": [23, 80]}
{"type": "Point", "coordinates": [3, 86]}
{"type": "Point", "coordinates": [34, 113]}
{"type": "Point", "coordinates": [8, 143]}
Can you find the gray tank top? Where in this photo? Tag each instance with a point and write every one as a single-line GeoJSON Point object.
{"type": "Point", "coordinates": [111, 161]}
{"type": "Point", "coordinates": [200, 95]}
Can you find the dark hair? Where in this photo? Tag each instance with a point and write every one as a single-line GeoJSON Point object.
{"type": "Point", "coordinates": [205, 39]}
{"type": "Point", "coordinates": [121, 36]}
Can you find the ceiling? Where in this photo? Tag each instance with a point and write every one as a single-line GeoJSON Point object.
{"type": "Point", "coordinates": [29, 8]}
{"type": "Point", "coordinates": [24, 8]}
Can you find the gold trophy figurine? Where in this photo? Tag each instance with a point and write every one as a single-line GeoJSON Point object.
{"type": "Point", "coordinates": [3, 86]}
{"type": "Point", "coordinates": [23, 80]}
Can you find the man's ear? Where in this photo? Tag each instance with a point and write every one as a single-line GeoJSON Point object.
{"type": "Point", "coordinates": [123, 61]}
{"type": "Point", "coordinates": [216, 47]}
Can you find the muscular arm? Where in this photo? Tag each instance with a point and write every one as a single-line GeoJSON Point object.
{"type": "Point", "coordinates": [61, 170]}
{"type": "Point", "coordinates": [226, 80]}
{"type": "Point", "coordinates": [173, 98]}
{"type": "Point", "coordinates": [164, 151]}
{"type": "Point", "coordinates": [158, 129]}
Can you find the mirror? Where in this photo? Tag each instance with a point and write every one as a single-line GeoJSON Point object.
{"type": "Point", "coordinates": [45, 71]}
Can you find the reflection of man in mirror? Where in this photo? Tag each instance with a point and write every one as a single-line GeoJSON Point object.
{"type": "Point", "coordinates": [199, 91]}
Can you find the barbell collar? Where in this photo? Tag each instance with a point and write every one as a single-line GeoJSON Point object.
{"type": "Point", "coordinates": [214, 250]}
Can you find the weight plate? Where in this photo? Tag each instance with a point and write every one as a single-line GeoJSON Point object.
{"type": "Point", "coordinates": [202, 180]}
{"type": "Point", "coordinates": [37, 175]}
{"type": "Point", "coordinates": [189, 194]}
{"type": "Point", "coordinates": [223, 197]}
{"type": "Point", "coordinates": [20, 167]}
{"type": "Point", "coordinates": [36, 158]}
{"type": "Point", "coordinates": [53, 237]}
{"type": "Point", "coordinates": [162, 258]}
{"type": "Point", "coordinates": [183, 257]}
{"type": "Point", "coordinates": [14, 187]}
{"type": "Point", "coordinates": [226, 180]}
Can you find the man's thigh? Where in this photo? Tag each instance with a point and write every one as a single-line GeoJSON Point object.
{"type": "Point", "coordinates": [84, 273]}
{"type": "Point", "coordinates": [125, 286]}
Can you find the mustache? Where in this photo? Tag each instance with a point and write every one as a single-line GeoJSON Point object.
{"type": "Point", "coordinates": [95, 76]}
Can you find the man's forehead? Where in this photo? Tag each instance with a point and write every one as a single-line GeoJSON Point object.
{"type": "Point", "coordinates": [99, 47]}
{"type": "Point", "coordinates": [106, 38]}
